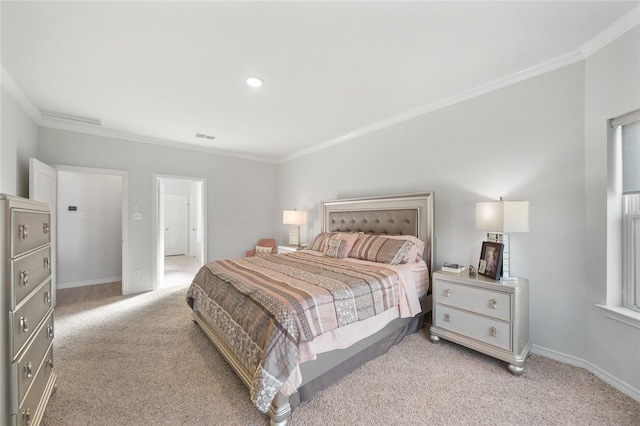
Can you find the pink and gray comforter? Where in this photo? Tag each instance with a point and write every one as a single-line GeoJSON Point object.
{"type": "Point", "coordinates": [264, 307]}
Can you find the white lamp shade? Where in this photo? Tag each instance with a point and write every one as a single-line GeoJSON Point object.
{"type": "Point", "coordinates": [503, 216]}
{"type": "Point", "coordinates": [294, 217]}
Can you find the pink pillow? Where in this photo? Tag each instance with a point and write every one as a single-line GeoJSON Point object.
{"type": "Point", "coordinates": [415, 252]}
{"type": "Point", "coordinates": [350, 239]}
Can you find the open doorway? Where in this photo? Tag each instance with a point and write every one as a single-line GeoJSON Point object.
{"type": "Point", "coordinates": [180, 229]}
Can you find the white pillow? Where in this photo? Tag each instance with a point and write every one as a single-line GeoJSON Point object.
{"type": "Point", "coordinates": [263, 251]}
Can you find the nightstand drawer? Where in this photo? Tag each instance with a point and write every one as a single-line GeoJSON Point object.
{"type": "Point", "coordinates": [478, 300]}
{"type": "Point", "coordinates": [487, 330]}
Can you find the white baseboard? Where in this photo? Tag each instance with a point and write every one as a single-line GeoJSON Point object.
{"type": "Point", "coordinates": [623, 387]}
{"type": "Point", "coordinates": [75, 284]}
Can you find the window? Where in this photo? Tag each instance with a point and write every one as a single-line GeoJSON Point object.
{"type": "Point", "coordinates": [630, 136]}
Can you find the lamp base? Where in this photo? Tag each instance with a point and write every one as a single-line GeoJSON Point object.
{"type": "Point", "coordinates": [294, 236]}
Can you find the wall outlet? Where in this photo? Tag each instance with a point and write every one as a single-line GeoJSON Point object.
{"type": "Point", "coordinates": [136, 273]}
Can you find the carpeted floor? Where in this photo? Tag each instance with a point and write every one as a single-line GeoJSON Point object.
{"type": "Point", "coordinates": [140, 360]}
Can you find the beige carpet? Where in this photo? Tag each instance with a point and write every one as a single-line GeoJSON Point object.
{"type": "Point", "coordinates": [140, 360]}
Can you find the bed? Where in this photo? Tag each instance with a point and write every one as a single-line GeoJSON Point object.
{"type": "Point", "coordinates": [292, 324]}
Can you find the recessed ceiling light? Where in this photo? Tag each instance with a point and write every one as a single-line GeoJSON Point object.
{"type": "Point", "coordinates": [254, 81]}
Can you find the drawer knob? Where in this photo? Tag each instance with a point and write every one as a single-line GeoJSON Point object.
{"type": "Point", "coordinates": [50, 363]}
{"type": "Point", "coordinates": [47, 297]}
{"type": "Point", "coordinates": [50, 330]}
{"type": "Point", "coordinates": [28, 368]}
{"type": "Point", "coordinates": [24, 324]}
{"type": "Point", "coordinates": [493, 303]}
{"type": "Point", "coordinates": [493, 331]}
{"type": "Point", "coordinates": [24, 277]}
{"type": "Point", "coordinates": [23, 231]}
{"type": "Point", "coordinates": [447, 293]}
{"type": "Point", "coordinates": [45, 228]}
{"type": "Point", "coordinates": [26, 416]}
{"type": "Point", "coordinates": [446, 317]}
{"type": "Point", "coordinates": [47, 263]}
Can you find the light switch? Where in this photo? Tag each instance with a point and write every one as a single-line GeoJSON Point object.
{"type": "Point", "coordinates": [137, 216]}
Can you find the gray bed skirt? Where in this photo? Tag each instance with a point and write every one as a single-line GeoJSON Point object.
{"type": "Point", "coordinates": [330, 367]}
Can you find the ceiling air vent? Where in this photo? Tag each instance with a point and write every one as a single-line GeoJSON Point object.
{"type": "Point", "coordinates": [54, 115]}
{"type": "Point", "coordinates": [201, 136]}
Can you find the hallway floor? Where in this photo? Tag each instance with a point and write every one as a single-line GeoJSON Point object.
{"type": "Point", "coordinates": [179, 270]}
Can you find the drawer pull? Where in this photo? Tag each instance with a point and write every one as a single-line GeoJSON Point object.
{"type": "Point", "coordinates": [493, 331]}
{"type": "Point", "coordinates": [50, 363]}
{"type": "Point", "coordinates": [446, 317]}
{"type": "Point", "coordinates": [26, 416]}
{"type": "Point", "coordinates": [50, 330]}
{"type": "Point", "coordinates": [28, 368]}
{"type": "Point", "coordinates": [24, 324]}
{"type": "Point", "coordinates": [24, 277]}
{"type": "Point", "coordinates": [47, 263]}
{"type": "Point", "coordinates": [45, 228]}
{"type": "Point", "coordinates": [493, 303]}
{"type": "Point", "coordinates": [447, 293]}
{"type": "Point", "coordinates": [47, 297]}
{"type": "Point", "coordinates": [23, 231]}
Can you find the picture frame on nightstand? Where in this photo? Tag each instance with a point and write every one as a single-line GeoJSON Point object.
{"type": "Point", "coordinates": [490, 264]}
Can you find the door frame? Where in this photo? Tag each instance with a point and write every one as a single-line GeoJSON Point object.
{"type": "Point", "coordinates": [158, 223]}
{"type": "Point", "coordinates": [125, 213]}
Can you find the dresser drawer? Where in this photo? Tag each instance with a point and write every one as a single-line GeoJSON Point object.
{"type": "Point", "coordinates": [487, 330]}
{"type": "Point", "coordinates": [474, 299]}
{"type": "Point", "coordinates": [32, 407]}
{"type": "Point", "coordinates": [28, 272]}
{"type": "Point", "coordinates": [24, 370]}
{"type": "Point", "coordinates": [26, 318]}
{"type": "Point", "coordinates": [28, 230]}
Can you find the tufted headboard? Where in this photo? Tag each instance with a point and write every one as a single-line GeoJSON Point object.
{"type": "Point", "coordinates": [404, 214]}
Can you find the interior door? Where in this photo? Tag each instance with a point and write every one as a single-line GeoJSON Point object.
{"type": "Point", "coordinates": [193, 223]}
{"type": "Point", "coordinates": [175, 224]}
{"type": "Point", "coordinates": [43, 187]}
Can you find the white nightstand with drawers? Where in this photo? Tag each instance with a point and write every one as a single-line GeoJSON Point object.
{"type": "Point", "coordinates": [290, 249]}
{"type": "Point", "coordinates": [488, 316]}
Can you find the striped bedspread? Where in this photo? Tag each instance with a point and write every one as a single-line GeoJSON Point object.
{"type": "Point", "coordinates": [264, 307]}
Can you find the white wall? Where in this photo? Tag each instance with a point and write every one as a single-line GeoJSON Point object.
{"type": "Point", "coordinates": [19, 142]}
{"type": "Point", "coordinates": [612, 89]}
{"type": "Point", "coordinates": [90, 238]}
{"type": "Point", "coordinates": [241, 193]}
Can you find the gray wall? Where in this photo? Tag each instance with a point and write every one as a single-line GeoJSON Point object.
{"type": "Point", "coordinates": [538, 140]}
{"type": "Point", "coordinates": [19, 142]}
{"type": "Point", "coordinates": [612, 89]}
{"type": "Point", "coordinates": [523, 142]}
{"type": "Point", "coordinates": [90, 238]}
{"type": "Point", "coordinates": [242, 201]}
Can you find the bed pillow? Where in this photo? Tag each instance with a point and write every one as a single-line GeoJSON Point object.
{"type": "Point", "coordinates": [319, 243]}
{"type": "Point", "coordinates": [336, 248]}
{"type": "Point", "coordinates": [263, 251]}
{"type": "Point", "coordinates": [350, 239]}
{"type": "Point", "coordinates": [375, 248]}
{"type": "Point", "coordinates": [415, 252]}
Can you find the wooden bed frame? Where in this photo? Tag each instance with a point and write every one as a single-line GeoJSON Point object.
{"type": "Point", "coordinates": [405, 214]}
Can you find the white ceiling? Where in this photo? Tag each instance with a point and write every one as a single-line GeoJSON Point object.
{"type": "Point", "coordinates": [161, 72]}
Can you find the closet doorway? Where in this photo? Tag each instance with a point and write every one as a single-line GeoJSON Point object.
{"type": "Point", "coordinates": [180, 229]}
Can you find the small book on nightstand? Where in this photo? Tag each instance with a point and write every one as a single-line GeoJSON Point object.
{"type": "Point", "coordinates": [453, 267]}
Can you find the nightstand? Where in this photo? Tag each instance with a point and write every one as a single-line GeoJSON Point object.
{"type": "Point", "coordinates": [290, 249]}
{"type": "Point", "coordinates": [488, 316]}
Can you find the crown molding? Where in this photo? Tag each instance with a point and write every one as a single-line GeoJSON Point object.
{"type": "Point", "coordinates": [18, 94]}
{"type": "Point", "coordinates": [527, 73]}
{"type": "Point", "coordinates": [152, 141]}
{"type": "Point", "coordinates": [612, 32]}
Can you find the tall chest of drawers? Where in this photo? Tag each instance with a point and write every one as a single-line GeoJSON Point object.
{"type": "Point", "coordinates": [488, 316]}
{"type": "Point", "coordinates": [26, 319]}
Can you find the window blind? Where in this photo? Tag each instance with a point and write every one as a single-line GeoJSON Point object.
{"type": "Point", "coordinates": [631, 158]}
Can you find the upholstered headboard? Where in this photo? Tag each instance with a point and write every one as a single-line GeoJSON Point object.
{"type": "Point", "coordinates": [404, 214]}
